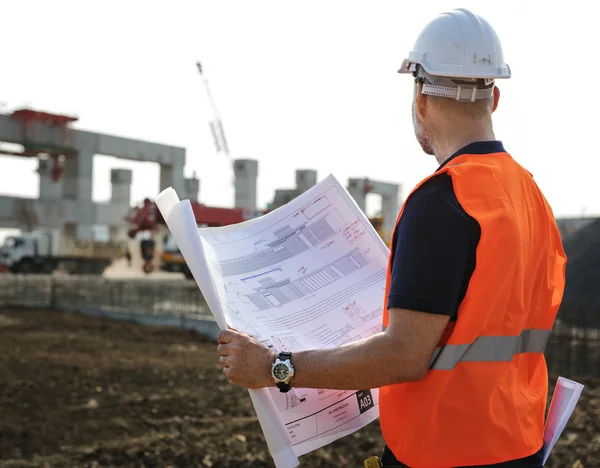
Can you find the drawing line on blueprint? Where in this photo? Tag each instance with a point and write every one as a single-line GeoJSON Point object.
{"type": "Point", "coordinates": [287, 244]}
{"type": "Point", "coordinates": [310, 313]}
{"type": "Point", "coordinates": [316, 207]}
{"type": "Point", "coordinates": [261, 274]}
{"type": "Point", "coordinates": [294, 399]}
{"type": "Point", "coordinates": [272, 293]}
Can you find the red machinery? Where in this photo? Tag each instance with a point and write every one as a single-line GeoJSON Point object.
{"type": "Point", "coordinates": [147, 217]}
{"type": "Point", "coordinates": [57, 151]}
{"type": "Point", "coordinates": [143, 218]}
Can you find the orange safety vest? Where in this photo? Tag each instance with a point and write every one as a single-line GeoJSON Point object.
{"type": "Point", "coordinates": [483, 399]}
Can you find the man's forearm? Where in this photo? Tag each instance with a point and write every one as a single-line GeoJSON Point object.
{"type": "Point", "coordinates": [400, 354]}
{"type": "Point", "coordinates": [373, 362]}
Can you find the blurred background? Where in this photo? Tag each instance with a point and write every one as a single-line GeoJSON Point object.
{"type": "Point", "coordinates": [106, 351]}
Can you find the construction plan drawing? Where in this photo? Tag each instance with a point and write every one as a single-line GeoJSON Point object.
{"type": "Point", "coordinates": [308, 275]}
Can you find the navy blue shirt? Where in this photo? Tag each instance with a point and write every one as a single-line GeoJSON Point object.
{"type": "Point", "coordinates": [434, 250]}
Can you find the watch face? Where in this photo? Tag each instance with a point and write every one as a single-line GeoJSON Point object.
{"type": "Point", "coordinates": [281, 371]}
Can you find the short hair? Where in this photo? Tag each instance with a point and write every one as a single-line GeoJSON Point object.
{"type": "Point", "coordinates": [473, 110]}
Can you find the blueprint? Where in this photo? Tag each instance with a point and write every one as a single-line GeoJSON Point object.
{"type": "Point", "coordinates": [309, 275]}
{"type": "Point", "coordinates": [565, 398]}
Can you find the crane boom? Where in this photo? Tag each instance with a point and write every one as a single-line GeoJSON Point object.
{"type": "Point", "coordinates": [216, 125]}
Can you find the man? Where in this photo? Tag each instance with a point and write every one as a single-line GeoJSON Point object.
{"type": "Point", "coordinates": [475, 281]}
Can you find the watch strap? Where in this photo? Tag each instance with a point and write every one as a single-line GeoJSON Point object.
{"type": "Point", "coordinates": [283, 387]}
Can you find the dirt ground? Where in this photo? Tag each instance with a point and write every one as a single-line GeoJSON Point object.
{"type": "Point", "coordinates": [77, 391]}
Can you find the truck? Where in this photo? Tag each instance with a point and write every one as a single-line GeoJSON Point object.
{"type": "Point", "coordinates": [45, 251]}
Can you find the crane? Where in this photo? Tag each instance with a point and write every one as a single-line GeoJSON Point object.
{"type": "Point", "coordinates": [216, 125]}
{"type": "Point", "coordinates": [147, 218]}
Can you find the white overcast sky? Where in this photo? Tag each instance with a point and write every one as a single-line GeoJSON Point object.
{"type": "Point", "coordinates": [309, 84]}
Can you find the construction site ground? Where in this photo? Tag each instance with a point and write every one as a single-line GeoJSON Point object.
{"type": "Point", "coordinates": [79, 391]}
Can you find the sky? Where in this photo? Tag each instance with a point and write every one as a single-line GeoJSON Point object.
{"type": "Point", "coordinates": [299, 85]}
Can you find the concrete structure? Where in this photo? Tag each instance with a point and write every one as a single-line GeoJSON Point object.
{"type": "Point", "coordinates": [246, 174]}
{"type": "Point", "coordinates": [67, 202]}
{"type": "Point", "coordinates": [390, 195]}
{"type": "Point", "coordinates": [305, 179]}
{"type": "Point", "coordinates": [192, 188]}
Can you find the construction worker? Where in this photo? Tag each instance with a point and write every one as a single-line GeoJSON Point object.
{"type": "Point", "coordinates": [475, 279]}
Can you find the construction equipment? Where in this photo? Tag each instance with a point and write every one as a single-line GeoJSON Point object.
{"type": "Point", "coordinates": [158, 248]}
{"type": "Point", "coordinates": [216, 125]}
{"type": "Point", "coordinates": [46, 250]}
{"type": "Point", "coordinates": [56, 151]}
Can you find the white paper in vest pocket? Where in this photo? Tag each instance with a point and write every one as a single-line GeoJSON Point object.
{"type": "Point", "coordinates": [565, 398]}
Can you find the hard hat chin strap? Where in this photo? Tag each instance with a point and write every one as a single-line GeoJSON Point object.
{"type": "Point", "coordinates": [463, 89]}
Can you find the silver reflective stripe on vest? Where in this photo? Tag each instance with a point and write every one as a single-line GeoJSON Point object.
{"type": "Point", "coordinates": [490, 349]}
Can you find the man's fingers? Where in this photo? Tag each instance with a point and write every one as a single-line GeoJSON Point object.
{"type": "Point", "coordinates": [224, 361]}
{"type": "Point", "coordinates": [225, 336]}
{"type": "Point", "coordinates": [223, 350]}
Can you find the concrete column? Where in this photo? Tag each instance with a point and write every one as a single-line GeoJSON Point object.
{"type": "Point", "coordinates": [48, 207]}
{"type": "Point", "coordinates": [120, 180]}
{"type": "Point", "coordinates": [70, 179]}
{"type": "Point", "coordinates": [283, 196]}
{"type": "Point", "coordinates": [166, 176]}
{"type": "Point", "coordinates": [246, 174]}
{"type": "Point", "coordinates": [49, 189]}
{"type": "Point", "coordinates": [192, 187]}
{"type": "Point", "coordinates": [171, 175]}
{"type": "Point", "coordinates": [356, 188]}
{"type": "Point", "coordinates": [77, 186]}
{"type": "Point", "coordinates": [112, 214]}
{"type": "Point", "coordinates": [305, 179]}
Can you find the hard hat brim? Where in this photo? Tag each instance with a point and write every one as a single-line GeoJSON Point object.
{"type": "Point", "coordinates": [409, 67]}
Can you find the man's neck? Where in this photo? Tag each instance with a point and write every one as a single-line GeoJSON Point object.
{"type": "Point", "coordinates": [446, 147]}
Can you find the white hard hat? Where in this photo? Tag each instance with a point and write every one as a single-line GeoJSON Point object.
{"type": "Point", "coordinates": [461, 46]}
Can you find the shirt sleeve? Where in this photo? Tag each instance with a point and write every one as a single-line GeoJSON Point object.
{"type": "Point", "coordinates": [431, 252]}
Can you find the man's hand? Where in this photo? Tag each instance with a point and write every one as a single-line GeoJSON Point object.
{"type": "Point", "coordinates": [244, 360]}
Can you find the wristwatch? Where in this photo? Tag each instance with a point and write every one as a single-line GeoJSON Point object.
{"type": "Point", "coordinates": [283, 371]}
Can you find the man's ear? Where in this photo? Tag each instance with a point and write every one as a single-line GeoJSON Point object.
{"type": "Point", "coordinates": [496, 98]}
